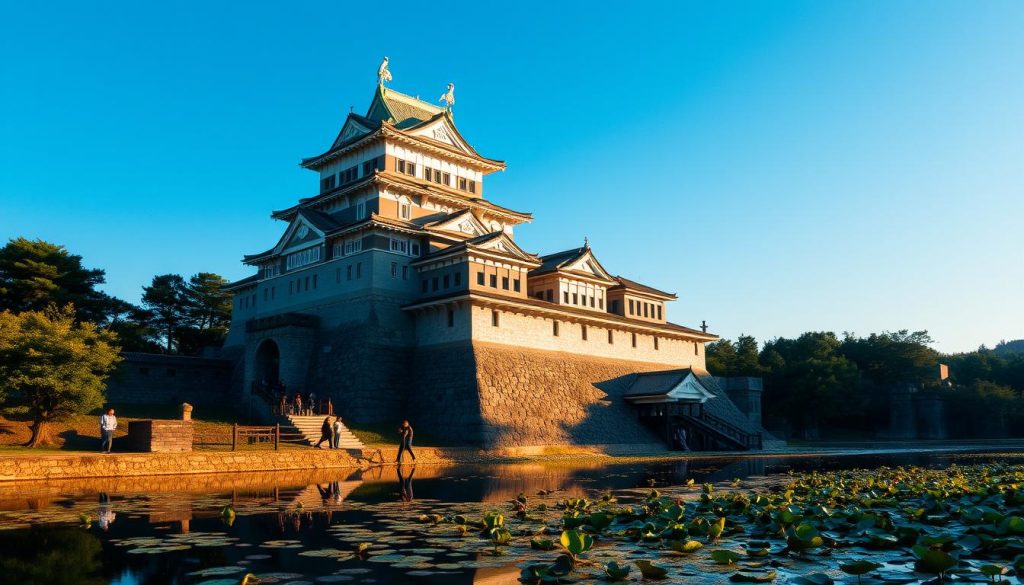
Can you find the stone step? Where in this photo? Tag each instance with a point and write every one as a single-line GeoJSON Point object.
{"type": "Point", "coordinates": [306, 429]}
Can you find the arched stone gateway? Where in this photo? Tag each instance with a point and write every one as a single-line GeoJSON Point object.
{"type": "Point", "coordinates": [267, 363]}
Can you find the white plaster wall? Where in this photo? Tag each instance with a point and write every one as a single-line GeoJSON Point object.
{"type": "Point", "coordinates": [357, 157]}
{"type": "Point", "coordinates": [536, 333]}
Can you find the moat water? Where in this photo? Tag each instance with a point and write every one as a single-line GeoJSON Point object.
{"type": "Point", "coordinates": [308, 528]}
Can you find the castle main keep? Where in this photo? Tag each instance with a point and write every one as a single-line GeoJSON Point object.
{"type": "Point", "coordinates": [399, 291]}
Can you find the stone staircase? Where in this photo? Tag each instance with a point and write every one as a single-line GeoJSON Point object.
{"type": "Point", "coordinates": [306, 430]}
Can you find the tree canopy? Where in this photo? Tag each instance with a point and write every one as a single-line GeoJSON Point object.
{"type": "Point", "coordinates": [35, 274]}
{"type": "Point", "coordinates": [53, 365]}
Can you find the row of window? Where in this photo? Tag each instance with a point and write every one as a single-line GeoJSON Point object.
{"type": "Point", "coordinates": [296, 285]}
{"type": "Point", "coordinates": [437, 176]}
{"type": "Point", "coordinates": [493, 280]}
{"type": "Point", "coordinates": [580, 300]}
{"type": "Point", "coordinates": [349, 175]}
{"type": "Point", "coordinates": [406, 167]}
{"type": "Point", "coordinates": [394, 271]}
{"type": "Point", "coordinates": [302, 258]}
{"type": "Point", "coordinates": [647, 310]}
{"type": "Point", "coordinates": [467, 185]}
{"type": "Point", "coordinates": [247, 301]}
{"type": "Point", "coordinates": [348, 272]}
{"type": "Point", "coordinates": [441, 282]}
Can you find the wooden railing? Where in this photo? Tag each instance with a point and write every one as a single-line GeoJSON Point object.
{"type": "Point", "coordinates": [250, 436]}
{"type": "Point", "coordinates": [727, 429]}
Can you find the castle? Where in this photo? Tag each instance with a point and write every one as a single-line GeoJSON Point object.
{"type": "Point", "coordinates": [399, 291]}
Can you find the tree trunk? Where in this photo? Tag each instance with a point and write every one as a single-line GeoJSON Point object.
{"type": "Point", "coordinates": [40, 434]}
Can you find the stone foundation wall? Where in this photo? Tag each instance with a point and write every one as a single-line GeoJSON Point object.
{"type": "Point", "coordinates": [160, 436]}
{"type": "Point", "coordinates": [501, 396]}
{"type": "Point", "coordinates": [534, 397]}
{"type": "Point", "coordinates": [150, 378]}
{"type": "Point", "coordinates": [53, 467]}
{"type": "Point", "coordinates": [445, 400]}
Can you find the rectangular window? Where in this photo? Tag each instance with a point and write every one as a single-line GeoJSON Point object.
{"type": "Point", "coordinates": [273, 292]}
{"type": "Point", "coordinates": [645, 309]}
{"type": "Point", "coordinates": [696, 351]}
{"type": "Point", "coordinates": [307, 283]}
{"type": "Point", "coordinates": [472, 186]}
{"type": "Point", "coordinates": [515, 285]}
{"type": "Point", "coordinates": [659, 312]}
{"type": "Point", "coordinates": [634, 340]}
{"type": "Point", "coordinates": [348, 272]}
{"type": "Point", "coordinates": [411, 167]}
{"type": "Point", "coordinates": [394, 270]}
{"type": "Point", "coordinates": [611, 338]}
{"type": "Point", "coordinates": [405, 273]}
{"type": "Point", "coordinates": [302, 258]}
{"type": "Point", "coordinates": [405, 211]}
{"type": "Point", "coordinates": [480, 278]}
{"type": "Point", "coordinates": [591, 302]}
{"type": "Point", "coordinates": [463, 184]}
{"type": "Point", "coordinates": [583, 332]}
{"type": "Point", "coordinates": [353, 246]}
{"type": "Point", "coordinates": [359, 269]}
{"type": "Point", "coordinates": [504, 282]}
{"type": "Point", "coordinates": [554, 328]}
{"type": "Point", "coordinates": [314, 281]}
{"type": "Point", "coordinates": [401, 166]}
{"type": "Point", "coordinates": [434, 283]}
{"type": "Point", "coordinates": [369, 166]}
{"type": "Point", "coordinates": [337, 275]}
{"type": "Point", "coordinates": [565, 297]}
{"type": "Point", "coordinates": [415, 249]}
{"type": "Point", "coordinates": [494, 318]}
{"type": "Point", "coordinates": [630, 306]}
{"type": "Point", "coordinates": [494, 281]}
{"type": "Point", "coordinates": [437, 177]}
{"type": "Point", "coordinates": [550, 295]}
{"type": "Point", "coordinates": [428, 173]}
{"type": "Point", "coordinates": [575, 298]}
{"type": "Point", "coordinates": [600, 304]}
{"type": "Point", "coordinates": [328, 183]}
{"type": "Point", "coordinates": [458, 279]}
{"type": "Point", "coordinates": [451, 318]}
{"type": "Point", "coordinates": [655, 343]}
{"type": "Point", "coordinates": [447, 281]}
{"type": "Point", "coordinates": [447, 179]}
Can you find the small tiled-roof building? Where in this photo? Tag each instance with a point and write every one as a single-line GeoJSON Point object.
{"type": "Point", "coordinates": [399, 290]}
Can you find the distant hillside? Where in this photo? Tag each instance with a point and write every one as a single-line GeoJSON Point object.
{"type": "Point", "coordinates": [1009, 347]}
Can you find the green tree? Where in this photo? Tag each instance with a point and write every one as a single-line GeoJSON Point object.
{"type": "Point", "coordinates": [35, 274]}
{"type": "Point", "coordinates": [53, 365]}
{"type": "Point", "coordinates": [167, 301]}
{"type": "Point", "coordinates": [747, 357]}
{"type": "Point", "coordinates": [208, 308]}
{"type": "Point", "coordinates": [720, 357]}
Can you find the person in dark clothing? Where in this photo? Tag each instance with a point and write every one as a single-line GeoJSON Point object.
{"type": "Point", "coordinates": [405, 440]}
{"type": "Point", "coordinates": [326, 433]}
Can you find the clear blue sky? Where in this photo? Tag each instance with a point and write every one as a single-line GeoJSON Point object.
{"type": "Point", "coordinates": [782, 166]}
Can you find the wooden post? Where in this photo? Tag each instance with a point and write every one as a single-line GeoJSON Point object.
{"type": "Point", "coordinates": [277, 436]}
{"type": "Point", "coordinates": [234, 436]}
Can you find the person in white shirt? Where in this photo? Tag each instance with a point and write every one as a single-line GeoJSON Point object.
{"type": "Point", "coordinates": [337, 432]}
{"type": "Point", "coordinates": [108, 424]}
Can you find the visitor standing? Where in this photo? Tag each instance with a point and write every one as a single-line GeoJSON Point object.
{"type": "Point", "coordinates": [108, 424]}
{"type": "Point", "coordinates": [325, 433]}
{"type": "Point", "coordinates": [337, 431]}
{"type": "Point", "coordinates": [405, 440]}
{"type": "Point", "coordinates": [312, 403]}
{"type": "Point", "coordinates": [298, 403]}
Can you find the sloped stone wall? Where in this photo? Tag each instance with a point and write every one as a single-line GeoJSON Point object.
{"type": "Point", "coordinates": [445, 400]}
{"type": "Point", "coordinates": [535, 397]}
